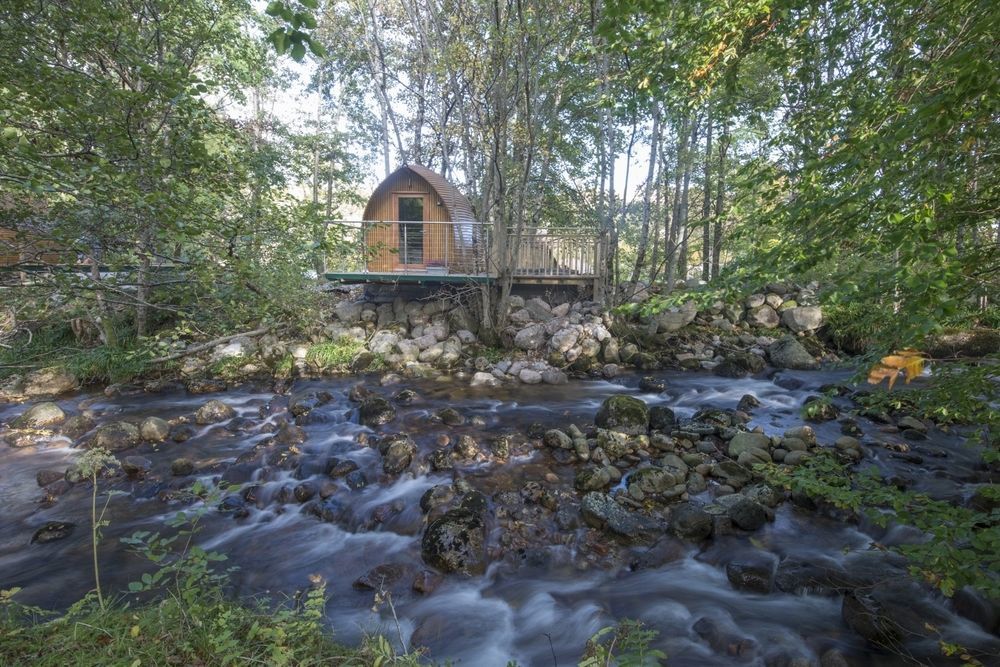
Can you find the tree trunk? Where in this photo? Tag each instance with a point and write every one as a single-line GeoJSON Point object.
{"type": "Point", "coordinates": [647, 197]}
{"type": "Point", "coordinates": [720, 201]}
{"type": "Point", "coordinates": [706, 206]}
{"type": "Point", "coordinates": [682, 259]}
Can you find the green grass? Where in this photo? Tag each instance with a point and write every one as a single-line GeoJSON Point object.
{"type": "Point", "coordinates": [229, 368]}
{"type": "Point", "coordinates": [335, 355]}
{"type": "Point", "coordinates": [57, 346]}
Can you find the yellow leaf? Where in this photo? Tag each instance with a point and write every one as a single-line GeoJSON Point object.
{"type": "Point", "coordinates": [134, 631]}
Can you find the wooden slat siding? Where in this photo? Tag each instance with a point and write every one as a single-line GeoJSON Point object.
{"type": "Point", "coordinates": [442, 203]}
{"type": "Point", "coordinates": [7, 256]}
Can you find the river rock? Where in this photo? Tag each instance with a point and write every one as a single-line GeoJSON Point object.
{"type": "Point", "coordinates": [623, 413]}
{"type": "Point", "coordinates": [564, 339]}
{"type": "Point", "coordinates": [40, 415]}
{"type": "Point", "coordinates": [554, 376]}
{"type": "Point", "coordinates": [154, 429]}
{"type": "Point", "coordinates": [557, 439]}
{"type": "Point", "coordinates": [753, 574]}
{"type": "Point", "coordinates": [591, 479]}
{"type": "Point", "coordinates": [382, 577]}
{"type": "Point", "coordinates": [803, 318]}
{"type": "Point", "coordinates": [450, 417]}
{"type": "Point", "coordinates": [739, 364]}
{"type": "Point", "coordinates": [397, 453]}
{"type": "Point", "coordinates": [303, 402]}
{"type": "Point", "coordinates": [52, 531]}
{"type": "Point", "coordinates": [763, 316]}
{"type": "Point", "coordinates": [602, 511]}
{"type": "Point", "coordinates": [690, 522]}
{"type": "Point", "coordinates": [662, 418]}
{"type": "Point", "coordinates": [732, 472]}
{"type": "Point", "coordinates": [455, 542]}
{"type": "Point", "coordinates": [213, 412]}
{"type": "Point", "coordinates": [115, 436]}
{"type": "Point", "coordinates": [49, 382]}
{"type": "Point", "coordinates": [787, 352]}
{"type": "Point", "coordinates": [652, 385]}
{"type": "Point", "coordinates": [77, 426]}
{"type": "Point", "coordinates": [747, 514]}
{"type": "Point", "coordinates": [745, 441]}
{"type": "Point", "coordinates": [675, 318]}
{"type": "Point", "coordinates": [136, 467]}
{"type": "Point", "coordinates": [482, 379]}
{"type": "Point", "coordinates": [530, 338]}
{"type": "Point", "coordinates": [181, 467]}
{"type": "Point", "coordinates": [529, 376]}
{"type": "Point", "coordinates": [46, 477]}
{"type": "Point", "coordinates": [376, 411]}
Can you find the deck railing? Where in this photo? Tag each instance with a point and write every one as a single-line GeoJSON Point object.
{"type": "Point", "coordinates": [461, 248]}
{"type": "Point", "coordinates": [554, 253]}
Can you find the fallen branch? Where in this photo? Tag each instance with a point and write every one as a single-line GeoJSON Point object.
{"type": "Point", "coordinates": [201, 347]}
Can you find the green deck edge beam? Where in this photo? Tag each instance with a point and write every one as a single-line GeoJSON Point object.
{"type": "Point", "coordinates": [405, 278]}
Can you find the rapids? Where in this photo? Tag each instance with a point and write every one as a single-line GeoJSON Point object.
{"type": "Point", "coordinates": [537, 605]}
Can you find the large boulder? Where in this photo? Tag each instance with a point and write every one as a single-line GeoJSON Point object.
{"type": "Point", "coordinates": [623, 413]}
{"type": "Point", "coordinates": [49, 382]}
{"type": "Point", "coordinates": [531, 337]}
{"type": "Point", "coordinates": [539, 309]}
{"type": "Point", "coordinates": [213, 412]}
{"type": "Point", "coordinates": [675, 318]}
{"type": "Point", "coordinates": [116, 436]}
{"type": "Point", "coordinates": [787, 352]}
{"type": "Point", "coordinates": [564, 339]}
{"type": "Point", "coordinates": [803, 318]}
{"type": "Point", "coordinates": [41, 415]}
{"type": "Point", "coordinates": [455, 542]}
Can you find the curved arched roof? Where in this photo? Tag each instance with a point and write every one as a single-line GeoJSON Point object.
{"type": "Point", "coordinates": [458, 206]}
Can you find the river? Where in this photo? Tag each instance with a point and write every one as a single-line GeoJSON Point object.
{"type": "Point", "coordinates": [536, 604]}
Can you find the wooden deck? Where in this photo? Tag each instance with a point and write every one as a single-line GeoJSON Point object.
{"type": "Point", "coordinates": [357, 278]}
{"type": "Point", "coordinates": [463, 252]}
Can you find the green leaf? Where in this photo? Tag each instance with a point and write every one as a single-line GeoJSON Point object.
{"type": "Point", "coordinates": [298, 51]}
{"type": "Point", "coordinates": [274, 8]}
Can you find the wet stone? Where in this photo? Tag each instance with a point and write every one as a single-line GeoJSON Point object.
{"type": "Point", "coordinates": [181, 467]}
{"type": "Point", "coordinates": [52, 531]}
{"type": "Point", "coordinates": [690, 522]}
{"type": "Point", "coordinates": [382, 577]}
{"type": "Point", "coordinates": [376, 411]}
{"type": "Point", "coordinates": [46, 477]}
{"type": "Point", "coordinates": [455, 542]}
{"type": "Point", "coordinates": [755, 575]}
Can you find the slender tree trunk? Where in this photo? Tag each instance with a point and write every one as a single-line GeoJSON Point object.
{"type": "Point", "coordinates": [682, 259]}
{"type": "Point", "coordinates": [647, 197]}
{"type": "Point", "coordinates": [720, 202]}
{"type": "Point", "coordinates": [706, 206]}
{"type": "Point", "coordinates": [674, 227]}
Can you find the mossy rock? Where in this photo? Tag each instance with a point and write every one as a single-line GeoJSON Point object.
{"type": "Point", "coordinates": [625, 414]}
